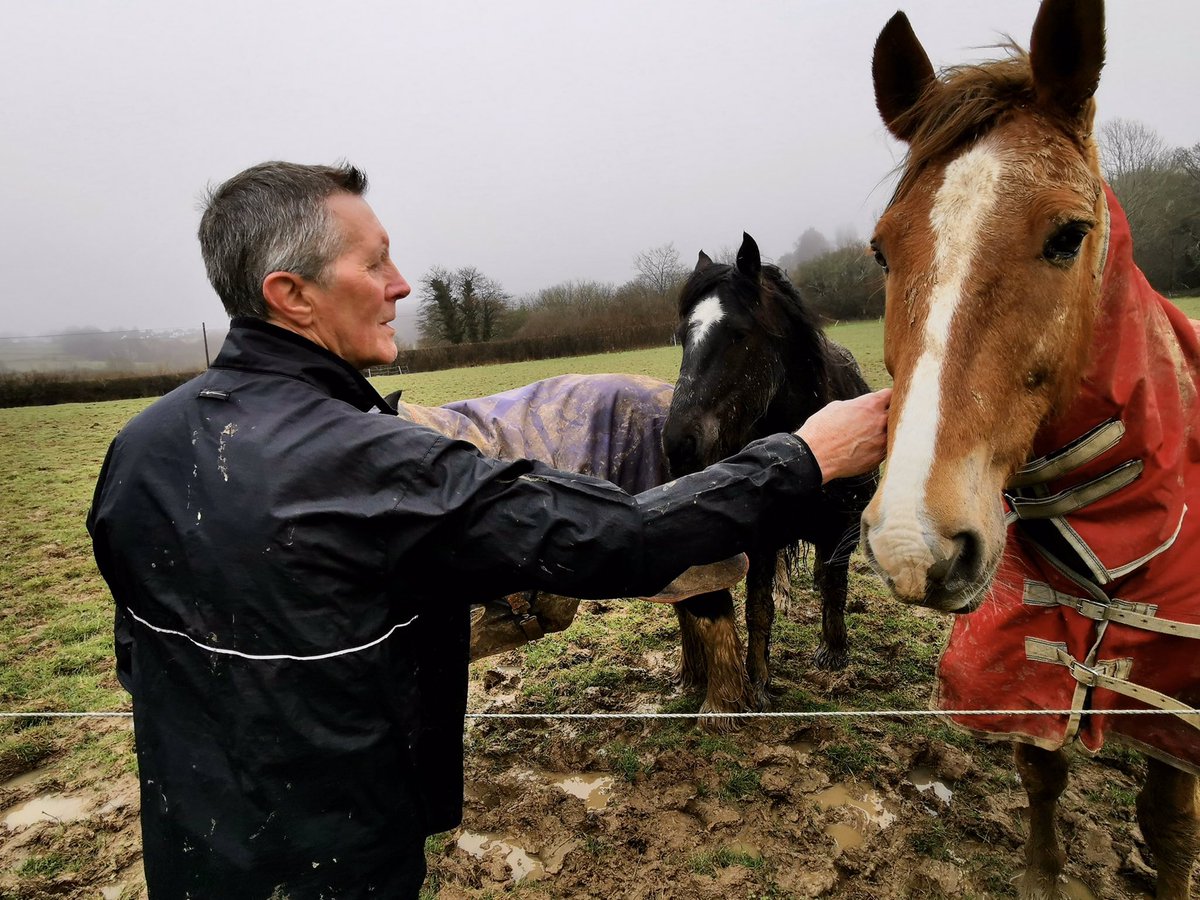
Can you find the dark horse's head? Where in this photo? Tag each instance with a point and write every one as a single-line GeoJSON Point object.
{"type": "Point", "coordinates": [753, 360]}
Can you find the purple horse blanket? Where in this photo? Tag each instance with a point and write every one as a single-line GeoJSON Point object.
{"type": "Point", "coordinates": [609, 426]}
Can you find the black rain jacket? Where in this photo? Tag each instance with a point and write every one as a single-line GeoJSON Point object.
{"type": "Point", "coordinates": [292, 566]}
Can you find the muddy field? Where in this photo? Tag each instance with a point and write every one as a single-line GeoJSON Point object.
{"type": "Point", "coordinates": [787, 807]}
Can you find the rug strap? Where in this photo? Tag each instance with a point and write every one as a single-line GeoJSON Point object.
{"type": "Point", "coordinates": [1110, 674]}
{"type": "Point", "coordinates": [1135, 615]}
{"type": "Point", "coordinates": [1079, 452]}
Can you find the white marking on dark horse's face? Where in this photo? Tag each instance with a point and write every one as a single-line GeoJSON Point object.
{"type": "Point", "coordinates": [704, 315]}
{"type": "Point", "coordinates": [902, 543]}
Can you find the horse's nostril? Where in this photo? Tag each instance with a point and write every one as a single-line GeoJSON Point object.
{"type": "Point", "coordinates": [681, 455]}
{"type": "Point", "coordinates": [963, 562]}
{"type": "Point", "coordinates": [970, 555]}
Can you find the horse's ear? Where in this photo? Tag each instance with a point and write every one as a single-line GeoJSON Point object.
{"type": "Point", "coordinates": [702, 262]}
{"type": "Point", "coordinates": [1066, 52]}
{"type": "Point", "coordinates": [749, 261]}
{"type": "Point", "coordinates": [902, 72]}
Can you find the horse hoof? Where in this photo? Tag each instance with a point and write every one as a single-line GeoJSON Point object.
{"type": "Point", "coordinates": [718, 724]}
{"type": "Point", "coordinates": [762, 698]}
{"type": "Point", "coordinates": [831, 660]}
{"type": "Point", "coordinates": [1034, 885]}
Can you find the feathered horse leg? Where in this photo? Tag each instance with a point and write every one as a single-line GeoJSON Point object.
{"type": "Point", "coordinates": [1168, 812]}
{"type": "Point", "coordinates": [1044, 775]}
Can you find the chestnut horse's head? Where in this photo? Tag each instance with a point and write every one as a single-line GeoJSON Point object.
{"type": "Point", "coordinates": [994, 245]}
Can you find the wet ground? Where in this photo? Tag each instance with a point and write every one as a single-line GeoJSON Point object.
{"type": "Point", "coordinates": [609, 809]}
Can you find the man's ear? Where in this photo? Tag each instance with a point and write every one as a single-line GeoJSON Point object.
{"type": "Point", "coordinates": [287, 299]}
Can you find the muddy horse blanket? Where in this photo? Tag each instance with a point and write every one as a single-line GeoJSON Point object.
{"type": "Point", "coordinates": [1096, 606]}
{"type": "Point", "coordinates": [609, 426]}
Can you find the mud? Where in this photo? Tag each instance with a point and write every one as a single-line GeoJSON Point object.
{"type": "Point", "coordinates": [633, 809]}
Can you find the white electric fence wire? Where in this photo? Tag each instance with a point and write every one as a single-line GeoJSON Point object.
{"type": "Point", "coordinates": [809, 714]}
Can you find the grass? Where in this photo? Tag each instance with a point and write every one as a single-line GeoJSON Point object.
{"type": "Point", "coordinates": [708, 863]}
{"type": "Point", "coordinates": [56, 621]}
{"type": "Point", "coordinates": [1190, 305]}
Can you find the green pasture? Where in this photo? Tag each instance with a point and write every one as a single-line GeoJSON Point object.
{"type": "Point", "coordinates": [56, 614]}
{"type": "Point", "coordinates": [1190, 305]}
{"type": "Point", "coordinates": [56, 618]}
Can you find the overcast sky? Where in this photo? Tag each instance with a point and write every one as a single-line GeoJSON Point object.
{"type": "Point", "coordinates": [540, 142]}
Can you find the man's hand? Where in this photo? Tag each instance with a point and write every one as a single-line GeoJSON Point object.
{"type": "Point", "coordinates": [848, 437]}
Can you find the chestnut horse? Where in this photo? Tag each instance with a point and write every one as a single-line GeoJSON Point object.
{"type": "Point", "coordinates": [1044, 447]}
{"type": "Point", "coordinates": [756, 362]}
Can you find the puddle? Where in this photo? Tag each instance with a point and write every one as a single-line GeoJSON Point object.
{"type": "Point", "coordinates": [127, 878]}
{"type": "Point", "coordinates": [868, 811]}
{"type": "Point", "coordinates": [521, 864]}
{"type": "Point", "coordinates": [21, 780]}
{"type": "Point", "coordinates": [924, 782]}
{"type": "Point", "coordinates": [593, 790]}
{"type": "Point", "coordinates": [55, 807]}
{"type": "Point", "coordinates": [1071, 888]}
{"type": "Point", "coordinates": [1075, 889]}
{"type": "Point", "coordinates": [845, 836]}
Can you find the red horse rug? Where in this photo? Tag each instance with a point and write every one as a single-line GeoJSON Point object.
{"type": "Point", "coordinates": [1096, 606]}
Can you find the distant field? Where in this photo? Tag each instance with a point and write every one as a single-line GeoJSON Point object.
{"type": "Point", "coordinates": [864, 339]}
{"type": "Point", "coordinates": [1190, 305]}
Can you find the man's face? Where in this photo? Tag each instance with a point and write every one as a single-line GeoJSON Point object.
{"type": "Point", "coordinates": [352, 309]}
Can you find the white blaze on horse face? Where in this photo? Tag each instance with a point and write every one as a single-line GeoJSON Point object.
{"type": "Point", "coordinates": [705, 314]}
{"type": "Point", "coordinates": [904, 544]}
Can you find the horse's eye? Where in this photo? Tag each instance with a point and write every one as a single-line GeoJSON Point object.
{"type": "Point", "coordinates": [1064, 244]}
{"type": "Point", "coordinates": [879, 257]}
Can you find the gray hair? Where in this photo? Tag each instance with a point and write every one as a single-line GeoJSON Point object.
{"type": "Point", "coordinates": [271, 218]}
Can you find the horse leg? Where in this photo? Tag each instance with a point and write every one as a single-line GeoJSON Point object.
{"type": "Point", "coordinates": [1044, 774]}
{"type": "Point", "coordinates": [760, 616]}
{"type": "Point", "coordinates": [782, 592]}
{"type": "Point", "coordinates": [1168, 811]}
{"type": "Point", "coordinates": [693, 665]}
{"type": "Point", "coordinates": [715, 633]}
{"type": "Point", "coordinates": [831, 574]}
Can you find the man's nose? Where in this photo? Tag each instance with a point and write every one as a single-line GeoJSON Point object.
{"type": "Point", "coordinates": [400, 287]}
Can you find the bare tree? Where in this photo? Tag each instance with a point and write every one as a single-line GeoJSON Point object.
{"type": "Point", "coordinates": [660, 269]}
{"type": "Point", "coordinates": [1159, 190]}
{"type": "Point", "coordinates": [842, 284]}
{"type": "Point", "coordinates": [1188, 161]}
{"type": "Point", "coordinates": [1127, 147]}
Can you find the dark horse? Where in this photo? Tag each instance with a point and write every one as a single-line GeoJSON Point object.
{"type": "Point", "coordinates": [755, 362]}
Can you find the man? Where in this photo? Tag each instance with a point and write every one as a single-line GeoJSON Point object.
{"type": "Point", "coordinates": [292, 574]}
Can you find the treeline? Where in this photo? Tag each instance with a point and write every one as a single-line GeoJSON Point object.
{"type": "Point", "coordinates": [465, 318]}
{"type": "Point", "coordinates": [1159, 188]}
{"type": "Point", "coordinates": [91, 350]}
{"type": "Point", "coordinates": [47, 388]}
